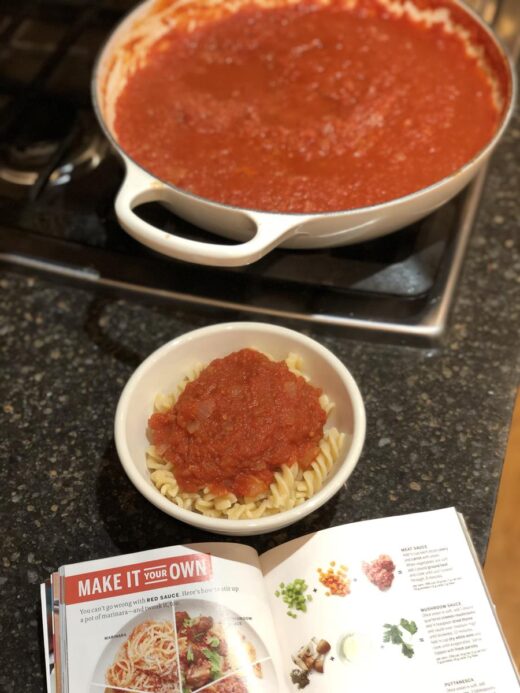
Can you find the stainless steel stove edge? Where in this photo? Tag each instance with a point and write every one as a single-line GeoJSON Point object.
{"type": "Point", "coordinates": [427, 330]}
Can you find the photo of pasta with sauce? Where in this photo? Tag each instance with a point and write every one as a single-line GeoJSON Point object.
{"type": "Point", "coordinates": [146, 661]}
{"type": "Point", "coordinates": [185, 650]}
{"type": "Point", "coordinates": [242, 438]}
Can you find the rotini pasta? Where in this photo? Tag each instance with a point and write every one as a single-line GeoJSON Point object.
{"type": "Point", "coordinates": [313, 478]}
{"type": "Point", "coordinates": [290, 487]}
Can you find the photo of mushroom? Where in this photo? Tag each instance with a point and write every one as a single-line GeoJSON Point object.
{"type": "Point", "coordinates": [309, 659]}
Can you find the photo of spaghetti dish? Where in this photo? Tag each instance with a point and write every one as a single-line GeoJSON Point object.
{"type": "Point", "coordinates": [192, 645]}
{"type": "Point", "coordinates": [146, 661]}
{"type": "Point", "coordinates": [242, 437]}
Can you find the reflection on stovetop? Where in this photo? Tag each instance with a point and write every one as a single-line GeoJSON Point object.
{"type": "Point", "coordinates": [58, 180]}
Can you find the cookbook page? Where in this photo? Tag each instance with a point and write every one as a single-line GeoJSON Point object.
{"type": "Point", "coordinates": [396, 604]}
{"type": "Point", "coordinates": [174, 620]}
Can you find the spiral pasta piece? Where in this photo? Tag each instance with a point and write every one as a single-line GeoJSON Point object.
{"type": "Point", "coordinates": [239, 511]}
{"type": "Point", "coordinates": [192, 375]}
{"type": "Point", "coordinates": [163, 403]}
{"type": "Point", "coordinates": [313, 478]}
{"type": "Point", "coordinates": [165, 481]}
{"type": "Point", "coordinates": [282, 490]}
{"type": "Point", "coordinates": [295, 364]}
{"type": "Point", "coordinates": [326, 404]}
{"type": "Point", "coordinates": [223, 503]}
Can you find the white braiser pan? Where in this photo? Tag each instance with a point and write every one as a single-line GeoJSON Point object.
{"type": "Point", "coordinates": [260, 231]}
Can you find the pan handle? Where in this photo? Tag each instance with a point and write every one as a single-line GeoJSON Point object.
{"type": "Point", "coordinates": [138, 187]}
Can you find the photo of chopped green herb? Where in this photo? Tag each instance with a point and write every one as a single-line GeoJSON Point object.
{"type": "Point", "coordinates": [394, 634]}
{"type": "Point", "coordinates": [293, 595]}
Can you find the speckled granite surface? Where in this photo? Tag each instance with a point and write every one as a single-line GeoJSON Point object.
{"type": "Point", "coordinates": [436, 431]}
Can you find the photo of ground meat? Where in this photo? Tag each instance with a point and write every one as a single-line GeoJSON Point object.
{"type": "Point", "coordinates": [380, 572]}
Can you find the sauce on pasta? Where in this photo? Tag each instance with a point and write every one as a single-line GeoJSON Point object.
{"type": "Point", "coordinates": [243, 418]}
{"type": "Point", "coordinates": [307, 108]}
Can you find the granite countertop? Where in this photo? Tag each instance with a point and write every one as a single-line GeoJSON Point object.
{"type": "Point", "coordinates": [437, 419]}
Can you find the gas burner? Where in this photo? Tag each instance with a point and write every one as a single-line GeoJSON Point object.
{"type": "Point", "coordinates": [82, 159]}
{"type": "Point", "coordinates": [53, 144]}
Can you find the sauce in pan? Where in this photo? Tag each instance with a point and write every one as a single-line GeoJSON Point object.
{"type": "Point", "coordinates": [307, 108]}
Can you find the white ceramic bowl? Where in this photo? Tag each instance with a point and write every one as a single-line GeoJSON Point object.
{"type": "Point", "coordinates": [166, 367]}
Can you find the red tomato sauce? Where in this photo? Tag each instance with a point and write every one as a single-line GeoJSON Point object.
{"type": "Point", "coordinates": [237, 423]}
{"type": "Point", "coordinates": [306, 108]}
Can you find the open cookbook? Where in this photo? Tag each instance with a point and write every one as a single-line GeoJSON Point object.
{"type": "Point", "coordinates": [395, 604]}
